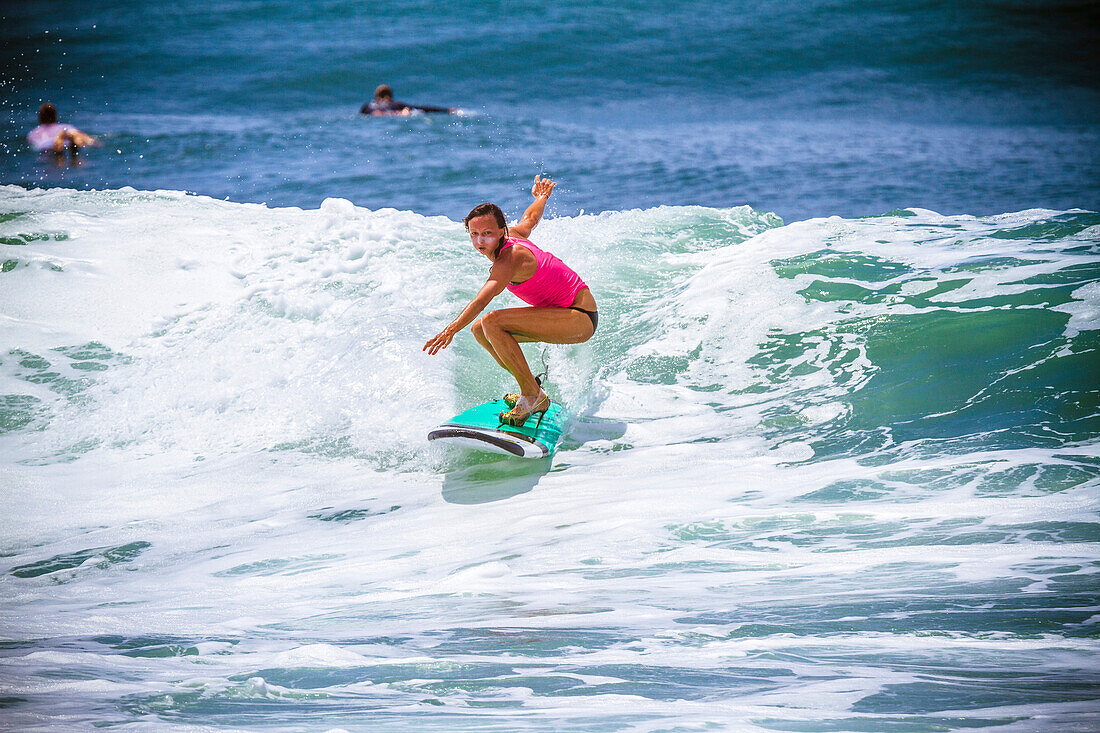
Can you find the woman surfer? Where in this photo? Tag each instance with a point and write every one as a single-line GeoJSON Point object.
{"type": "Point", "coordinates": [562, 310]}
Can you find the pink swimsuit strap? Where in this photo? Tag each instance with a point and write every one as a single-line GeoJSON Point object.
{"type": "Point", "coordinates": [553, 284]}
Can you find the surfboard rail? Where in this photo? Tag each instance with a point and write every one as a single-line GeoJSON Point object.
{"type": "Point", "coordinates": [479, 428]}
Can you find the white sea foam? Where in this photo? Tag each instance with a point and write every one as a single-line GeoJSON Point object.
{"type": "Point", "coordinates": [223, 492]}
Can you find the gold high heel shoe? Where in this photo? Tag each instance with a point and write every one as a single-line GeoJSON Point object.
{"type": "Point", "coordinates": [512, 398]}
{"type": "Point", "coordinates": [516, 419]}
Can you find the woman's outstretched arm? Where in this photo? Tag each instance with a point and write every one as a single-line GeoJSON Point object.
{"type": "Point", "coordinates": [500, 274]}
{"type": "Point", "coordinates": [541, 190]}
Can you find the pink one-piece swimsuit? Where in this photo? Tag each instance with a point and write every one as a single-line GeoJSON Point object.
{"type": "Point", "coordinates": [553, 284]}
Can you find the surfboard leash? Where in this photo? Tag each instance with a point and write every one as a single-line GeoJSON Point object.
{"type": "Point", "coordinates": [545, 366]}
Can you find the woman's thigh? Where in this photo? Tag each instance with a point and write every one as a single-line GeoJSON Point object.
{"type": "Point", "coordinates": [549, 325]}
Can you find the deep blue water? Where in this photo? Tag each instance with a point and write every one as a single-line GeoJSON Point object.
{"type": "Point", "coordinates": [811, 109]}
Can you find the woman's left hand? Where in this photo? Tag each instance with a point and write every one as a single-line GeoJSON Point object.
{"type": "Point", "coordinates": [439, 342]}
{"type": "Point", "coordinates": [542, 188]}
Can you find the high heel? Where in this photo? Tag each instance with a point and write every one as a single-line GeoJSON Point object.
{"type": "Point", "coordinates": [516, 419]}
{"type": "Point", "coordinates": [512, 398]}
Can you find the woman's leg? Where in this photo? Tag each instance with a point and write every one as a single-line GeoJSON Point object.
{"type": "Point", "coordinates": [504, 330]}
{"type": "Point", "coordinates": [479, 334]}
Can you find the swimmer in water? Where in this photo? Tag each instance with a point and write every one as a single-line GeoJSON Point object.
{"type": "Point", "coordinates": [50, 136]}
{"type": "Point", "coordinates": [384, 105]}
{"type": "Point", "coordinates": [562, 310]}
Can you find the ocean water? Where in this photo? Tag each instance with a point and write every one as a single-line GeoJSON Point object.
{"type": "Point", "coordinates": [833, 475]}
{"type": "Point", "coordinates": [806, 109]}
{"type": "Point", "coordinates": [834, 456]}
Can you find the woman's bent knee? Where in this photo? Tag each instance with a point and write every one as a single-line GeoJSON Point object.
{"type": "Point", "coordinates": [490, 320]}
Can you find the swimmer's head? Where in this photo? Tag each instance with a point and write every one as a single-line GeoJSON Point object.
{"type": "Point", "coordinates": [487, 228]}
{"type": "Point", "coordinates": [383, 92]}
{"type": "Point", "coordinates": [47, 114]}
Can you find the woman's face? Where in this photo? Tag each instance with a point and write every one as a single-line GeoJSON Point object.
{"type": "Point", "coordinates": [485, 234]}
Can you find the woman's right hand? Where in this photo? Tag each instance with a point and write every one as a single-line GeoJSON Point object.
{"type": "Point", "coordinates": [543, 187]}
{"type": "Point", "coordinates": [439, 342]}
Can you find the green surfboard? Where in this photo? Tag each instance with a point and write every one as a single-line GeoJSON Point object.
{"type": "Point", "coordinates": [480, 428]}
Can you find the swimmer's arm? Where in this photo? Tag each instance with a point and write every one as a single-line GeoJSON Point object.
{"type": "Point", "coordinates": [499, 276]}
{"type": "Point", "coordinates": [82, 138]}
{"type": "Point", "coordinates": [541, 190]}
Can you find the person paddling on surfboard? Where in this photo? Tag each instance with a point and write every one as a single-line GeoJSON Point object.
{"type": "Point", "coordinates": [562, 310]}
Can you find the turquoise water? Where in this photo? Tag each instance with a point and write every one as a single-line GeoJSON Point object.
{"type": "Point", "coordinates": [836, 445]}
{"type": "Point", "coordinates": [833, 475]}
